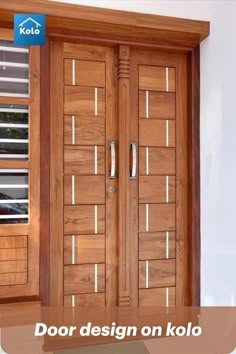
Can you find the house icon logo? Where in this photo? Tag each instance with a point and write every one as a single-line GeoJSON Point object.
{"type": "Point", "coordinates": [29, 29]}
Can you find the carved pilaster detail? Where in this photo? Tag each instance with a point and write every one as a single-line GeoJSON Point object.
{"type": "Point", "coordinates": [124, 62]}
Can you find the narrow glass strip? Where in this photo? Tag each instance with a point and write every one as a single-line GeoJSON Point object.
{"type": "Point", "coordinates": [73, 130]}
{"type": "Point", "coordinates": [147, 104]}
{"type": "Point", "coordinates": [147, 161]}
{"type": "Point", "coordinates": [167, 297]}
{"type": "Point", "coordinates": [73, 300]}
{"type": "Point", "coordinates": [147, 217]}
{"type": "Point", "coordinates": [12, 125]}
{"type": "Point", "coordinates": [95, 278]}
{"type": "Point", "coordinates": [15, 141]}
{"type": "Point", "coordinates": [13, 65]}
{"type": "Point", "coordinates": [13, 170]}
{"type": "Point", "coordinates": [167, 189]}
{"type": "Point", "coordinates": [167, 244]}
{"type": "Point", "coordinates": [95, 219]}
{"type": "Point", "coordinates": [147, 274]}
{"type": "Point", "coordinates": [167, 133]}
{"type": "Point", "coordinates": [73, 249]}
{"type": "Point", "coordinates": [19, 95]}
{"type": "Point", "coordinates": [73, 189]}
{"type": "Point", "coordinates": [73, 72]}
{"type": "Point", "coordinates": [167, 79]}
{"type": "Point", "coordinates": [95, 160]}
{"type": "Point", "coordinates": [13, 216]}
{"type": "Point", "coordinates": [14, 201]}
{"type": "Point", "coordinates": [13, 79]}
{"type": "Point", "coordinates": [13, 110]}
{"type": "Point", "coordinates": [96, 101]}
{"type": "Point", "coordinates": [14, 156]}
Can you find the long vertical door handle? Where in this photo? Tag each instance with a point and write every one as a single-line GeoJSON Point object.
{"type": "Point", "coordinates": [133, 172]}
{"type": "Point", "coordinates": [112, 147]}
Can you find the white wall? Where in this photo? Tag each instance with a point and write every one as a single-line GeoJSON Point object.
{"type": "Point", "coordinates": [218, 136]}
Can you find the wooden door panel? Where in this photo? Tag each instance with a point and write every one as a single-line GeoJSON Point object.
{"type": "Point", "coordinates": [13, 266]}
{"type": "Point", "coordinates": [153, 132]}
{"type": "Point", "coordinates": [156, 217]}
{"type": "Point", "coordinates": [87, 189]}
{"type": "Point", "coordinates": [85, 300]}
{"type": "Point", "coordinates": [84, 52]}
{"type": "Point", "coordinates": [13, 242]}
{"type": "Point", "coordinates": [86, 73]}
{"type": "Point", "coordinates": [157, 105]}
{"type": "Point", "coordinates": [84, 130]}
{"type": "Point", "coordinates": [84, 160]}
{"type": "Point", "coordinates": [84, 219]}
{"type": "Point", "coordinates": [160, 273]}
{"type": "Point", "coordinates": [87, 249]}
{"type": "Point", "coordinates": [12, 254]}
{"type": "Point", "coordinates": [156, 78]}
{"type": "Point", "coordinates": [80, 279]}
{"type": "Point", "coordinates": [156, 189]}
{"type": "Point", "coordinates": [84, 100]}
{"type": "Point", "coordinates": [160, 161]}
{"type": "Point", "coordinates": [156, 245]}
{"type": "Point", "coordinates": [157, 297]}
{"type": "Point", "coordinates": [13, 278]}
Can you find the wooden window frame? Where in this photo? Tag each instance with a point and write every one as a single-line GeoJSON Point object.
{"type": "Point", "coordinates": [111, 27]}
{"type": "Point", "coordinates": [29, 291]}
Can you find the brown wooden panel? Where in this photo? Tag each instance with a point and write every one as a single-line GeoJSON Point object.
{"type": "Point", "coordinates": [81, 100]}
{"type": "Point", "coordinates": [80, 219]}
{"type": "Point", "coordinates": [88, 249]}
{"type": "Point", "coordinates": [88, 130]}
{"type": "Point", "coordinates": [87, 73]}
{"type": "Point", "coordinates": [13, 241]}
{"type": "Point", "coordinates": [13, 266]}
{"type": "Point", "coordinates": [81, 160]}
{"type": "Point", "coordinates": [160, 273]}
{"type": "Point", "coordinates": [153, 132]}
{"type": "Point", "coordinates": [80, 279]}
{"type": "Point", "coordinates": [84, 52]}
{"type": "Point", "coordinates": [86, 300]}
{"type": "Point", "coordinates": [154, 78]}
{"type": "Point", "coordinates": [88, 189]}
{"type": "Point", "coordinates": [161, 105]}
{"type": "Point", "coordinates": [156, 297]}
{"type": "Point", "coordinates": [152, 189]}
{"type": "Point", "coordinates": [161, 217]}
{"type": "Point", "coordinates": [13, 278]}
{"type": "Point", "coordinates": [154, 245]}
{"type": "Point", "coordinates": [9, 254]}
{"type": "Point", "coordinates": [161, 161]}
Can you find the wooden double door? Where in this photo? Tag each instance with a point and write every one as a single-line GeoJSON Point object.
{"type": "Point", "coordinates": [118, 176]}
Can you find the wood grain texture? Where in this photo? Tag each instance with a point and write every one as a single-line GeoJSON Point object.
{"type": "Point", "coordinates": [80, 219]}
{"type": "Point", "coordinates": [13, 242]}
{"type": "Point", "coordinates": [10, 254]}
{"type": "Point", "coordinates": [88, 190]}
{"type": "Point", "coordinates": [87, 73]}
{"type": "Point", "coordinates": [156, 297]}
{"type": "Point", "coordinates": [81, 100]}
{"type": "Point", "coordinates": [111, 198]}
{"type": "Point", "coordinates": [152, 189]}
{"type": "Point", "coordinates": [194, 262]}
{"type": "Point", "coordinates": [88, 249]}
{"type": "Point", "coordinates": [182, 182]}
{"type": "Point", "coordinates": [153, 245]}
{"type": "Point", "coordinates": [84, 52]}
{"type": "Point", "coordinates": [161, 105]}
{"type": "Point", "coordinates": [12, 230]}
{"type": "Point", "coordinates": [81, 160]}
{"type": "Point", "coordinates": [160, 273]}
{"type": "Point", "coordinates": [13, 279]}
{"type": "Point", "coordinates": [80, 279]}
{"type": "Point", "coordinates": [14, 266]}
{"type": "Point", "coordinates": [113, 24]}
{"type": "Point", "coordinates": [86, 300]}
{"type": "Point", "coordinates": [161, 161]}
{"type": "Point", "coordinates": [153, 78]}
{"type": "Point", "coordinates": [152, 132]}
{"type": "Point", "coordinates": [14, 163]}
{"type": "Point", "coordinates": [88, 130]}
{"type": "Point", "coordinates": [161, 217]}
{"type": "Point", "coordinates": [56, 174]}
{"type": "Point", "coordinates": [44, 256]}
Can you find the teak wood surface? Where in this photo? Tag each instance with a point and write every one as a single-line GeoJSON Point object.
{"type": "Point", "coordinates": [76, 25]}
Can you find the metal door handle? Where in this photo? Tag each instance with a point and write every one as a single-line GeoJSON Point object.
{"type": "Point", "coordinates": [133, 173]}
{"type": "Point", "coordinates": [112, 147]}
